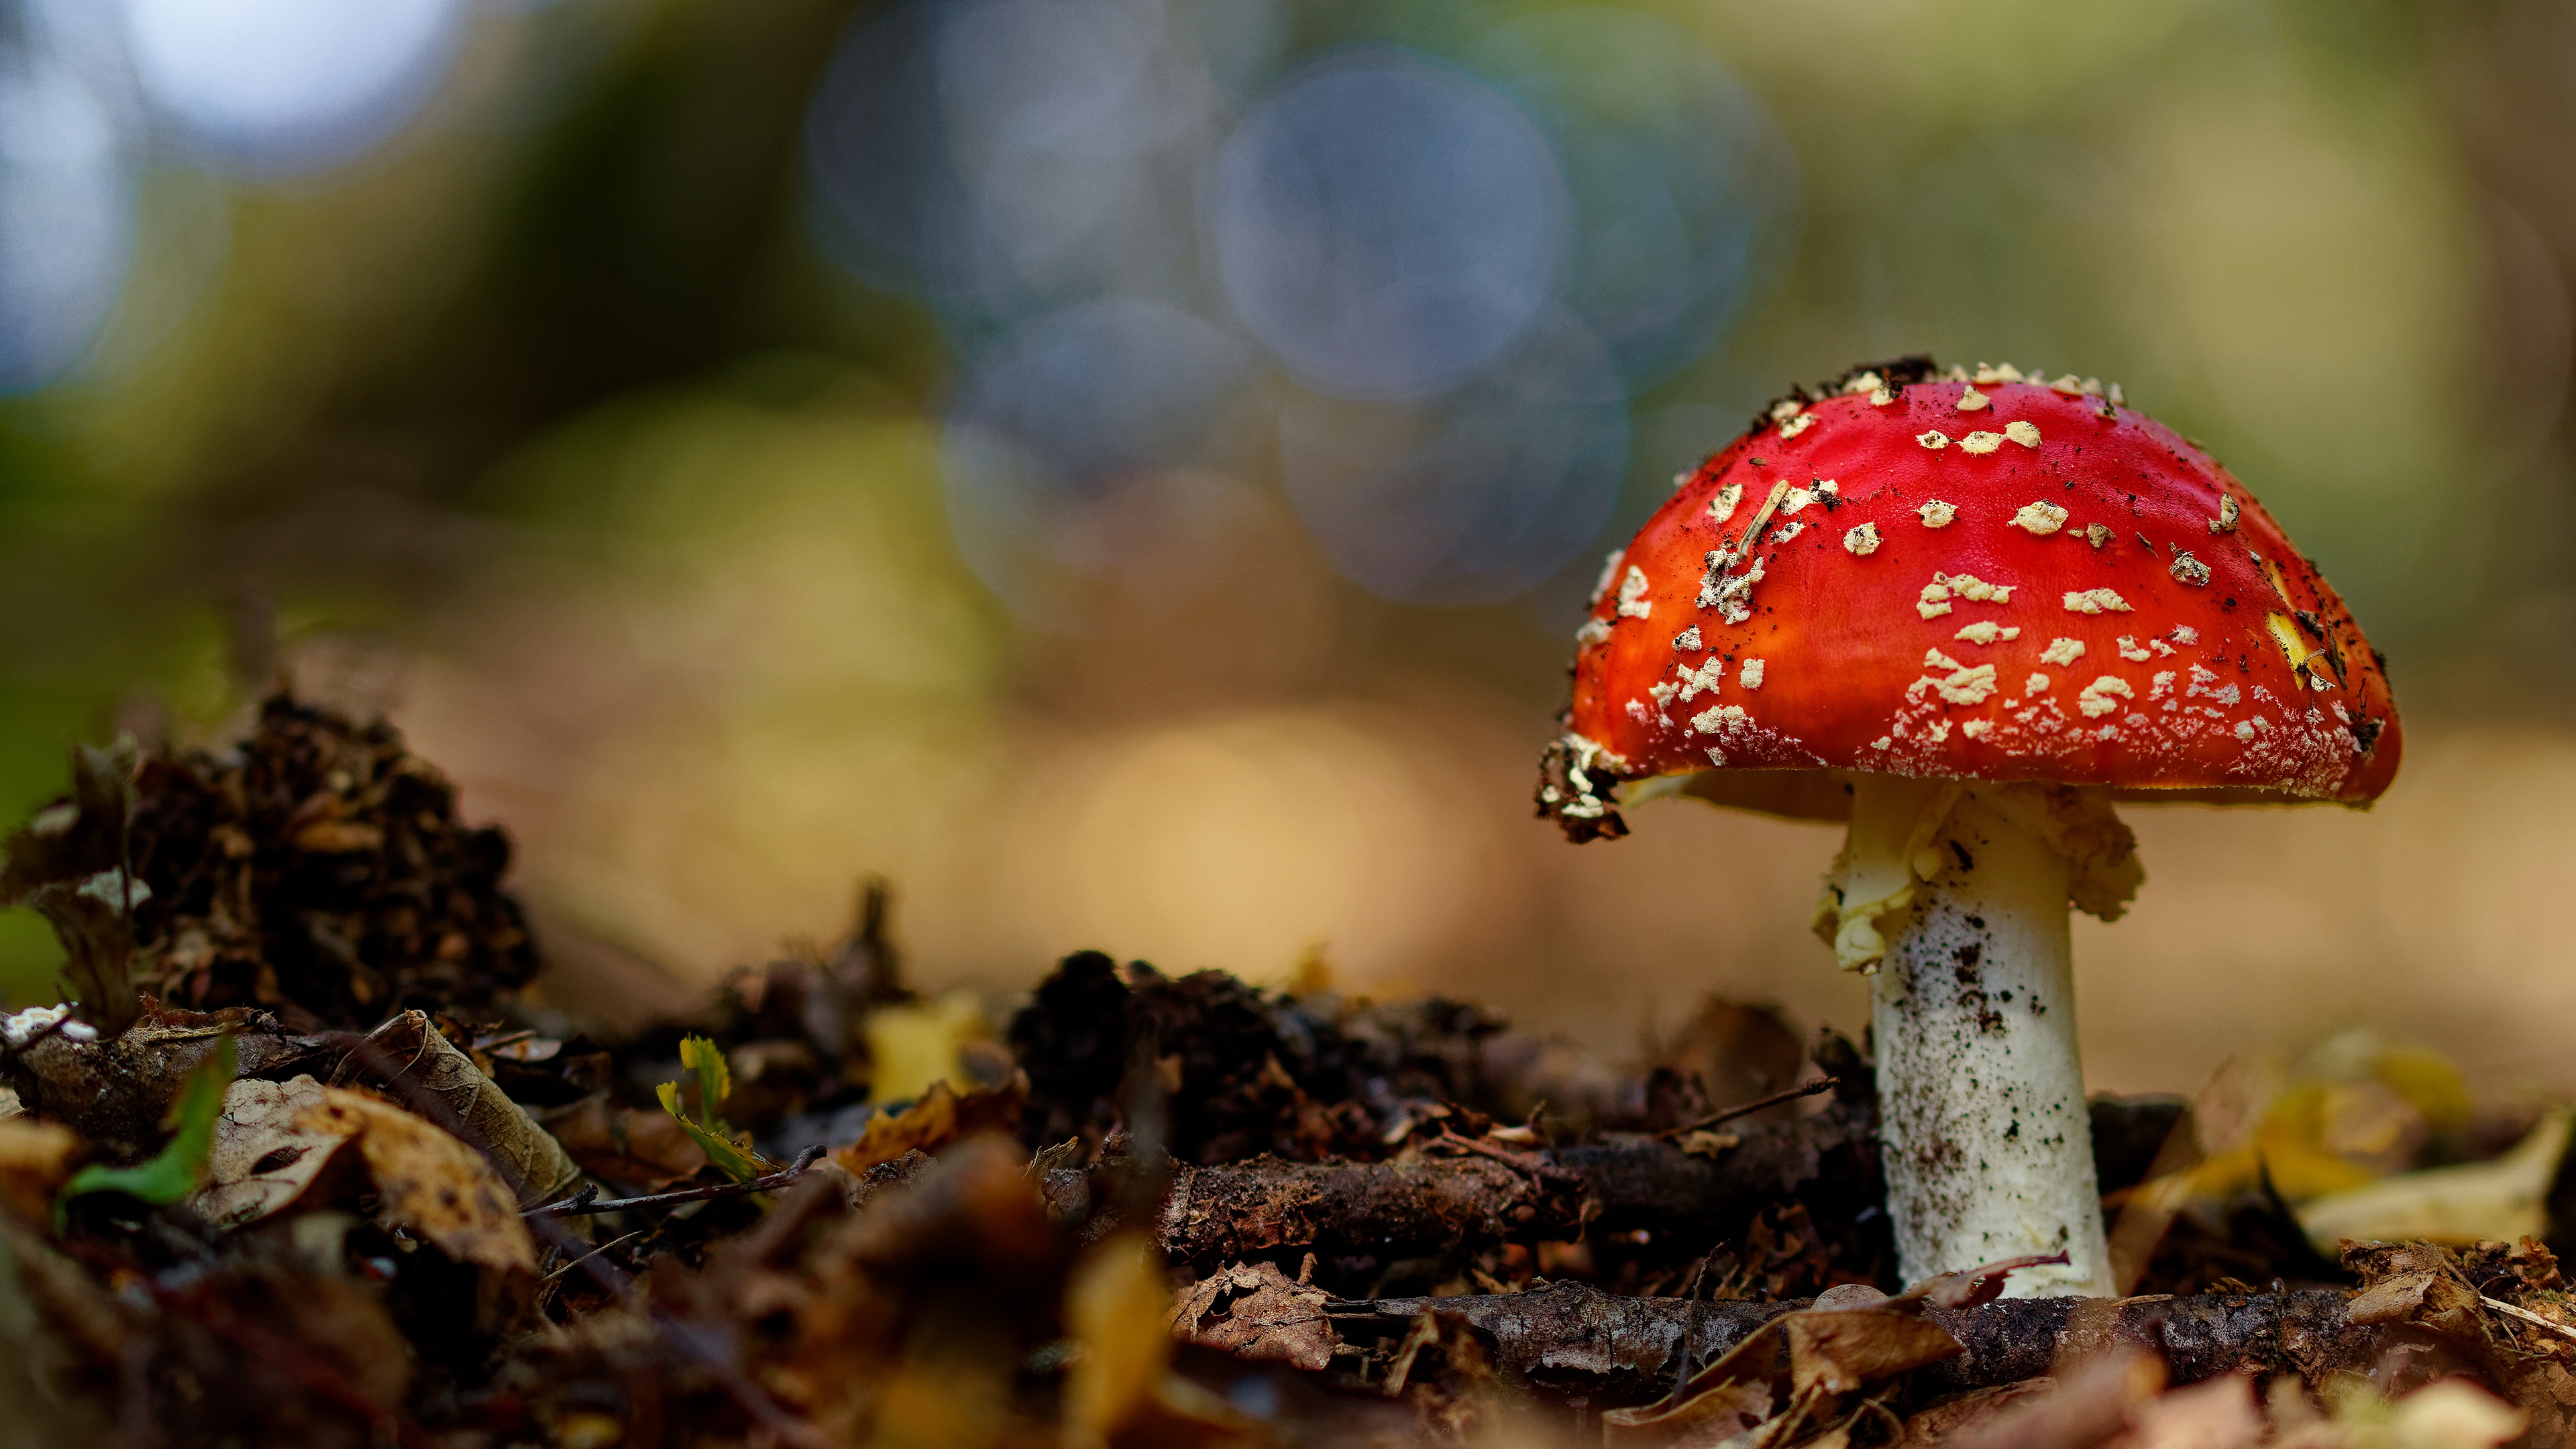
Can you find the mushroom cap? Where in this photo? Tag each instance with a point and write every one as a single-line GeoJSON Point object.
{"type": "Point", "coordinates": [2038, 585]}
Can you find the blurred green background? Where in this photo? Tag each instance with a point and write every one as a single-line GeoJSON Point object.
{"type": "Point", "coordinates": [751, 445]}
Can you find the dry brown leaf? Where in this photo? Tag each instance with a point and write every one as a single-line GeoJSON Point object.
{"type": "Point", "coordinates": [646, 1150]}
{"type": "Point", "coordinates": [2389, 1299]}
{"type": "Point", "coordinates": [1841, 1351]}
{"type": "Point", "coordinates": [427, 1180]}
{"type": "Point", "coordinates": [939, 1118]}
{"type": "Point", "coordinates": [1257, 1312]}
{"type": "Point", "coordinates": [265, 1154]}
{"type": "Point", "coordinates": [35, 1159]}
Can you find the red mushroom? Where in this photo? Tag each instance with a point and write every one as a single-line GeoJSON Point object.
{"type": "Point", "coordinates": [1965, 614]}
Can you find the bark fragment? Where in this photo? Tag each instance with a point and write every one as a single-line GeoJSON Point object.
{"type": "Point", "coordinates": [1266, 1207]}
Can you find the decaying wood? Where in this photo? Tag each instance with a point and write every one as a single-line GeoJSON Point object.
{"type": "Point", "coordinates": [1575, 1339]}
{"type": "Point", "coordinates": [1439, 1203]}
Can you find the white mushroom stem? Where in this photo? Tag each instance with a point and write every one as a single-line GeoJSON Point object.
{"type": "Point", "coordinates": [1957, 899]}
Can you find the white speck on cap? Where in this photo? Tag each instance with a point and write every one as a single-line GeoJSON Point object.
{"type": "Point", "coordinates": [1663, 692]}
{"type": "Point", "coordinates": [1991, 374]}
{"type": "Point", "coordinates": [1749, 674]}
{"type": "Point", "coordinates": [2244, 732]}
{"type": "Point", "coordinates": [1938, 731]}
{"type": "Point", "coordinates": [2117, 401]}
{"type": "Point", "coordinates": [2062, 651]}
{"type": "Point", "coordinates": [1705, 677]}
{"type": "Point", "coordinates": [1882, 742]}
{"type": "Point", "coordinates": [1987, 631]}
{"type": "Point", "coordinates": [1935, 659]}
{"type": "Point", "coordinates": [1933, 438]}
{"type": "Point", "coordinates": [2097, 534]}
{"type": "Point", "coordinates": [1976, 729]}
{"type": "Point", "coordinates": [1981, 443]}
{"type": "Point", "coordinates": [1722, 507]}
{"type": "Point", "coordinates": [1967, 686]}
{"type": "Point", "coordinates": [1788, 533]}
{"type": "Point", "coordinates": [1707, 720]}
{"type": "Point", "coordinates": [2036, 684]}
{"type": "Point", "coordinates": [1935, 514]}
{"type": "Point", "coordinates": [1633, 603]}
{"type": "Point", "coordinates": [1861, 541]}
{"type": "Point", "coordinates": [2129, 649]}
{"type": "Point", "coordinates": [1796, 425]}
{"type": "Point", "coordinates": [1688, 638]}
{"type": "Point", "coordinates": [2040, 517]}
{"type": "Point", "coordinates": [1683, 477]}
{"type": "Point", "coordinates": [1976, 590]}
{"type": "Point", "coordinates": [1828, 488]}
{"type": "Point", "coordinates": [1934, 601]}
{"type": "Point", "coordinates": [2023, 431]}
{"type": "Point", "coordinates": [2095, 698]}
{"type": "Point", "coordinates": [1717, 757]}
{"type": "Point", "coordinates": [2161, 685]}
{"type": "Point", "coordinates": [2228, 513]}
{"type": "Point", "coordinates": [2068, 384]}
{"type": "Point", "coordinates": [1592, 632]}
{"type": "Point", "coordinates": [2186, 635]}
{"type": "Point", "coordinates": [1786, 408]}
{"type": "Point", "coordinates": [1881, 398]}
{"type": "Point", "coordinates": [1796, 498]}
{"type": "Point", "coordinates": [2189, 570]}
{"type": "Point", "coordinates": [1864, 382]}
{"type": "Point", "coordinates": [1970, 400]}
{"type": "Point", "coordinates": [1637, 711]}
{"type": "Point", "coordinates": [2095, 601]}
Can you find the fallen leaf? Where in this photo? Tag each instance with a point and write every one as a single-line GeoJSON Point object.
{"type": "Point", "coordinates": [2505, 1198]}
{"type": "Point", "coordinates": [644, 1149]}
{"type": "Point", "coordinates": [939, 1118]}
{"type": "Point", "coordinates": [174, 1171]}
{"type": "Point", "coordinates": [1842, 1351]}
{"type": "Point", "coordinates": [428, 1181]}
{"type": "Point", "coordinates": [265, 1154]}
{"type": "Point", "coordinates": [1116, 1308]}
{"type": "Point", "coordinates": [35, 1159]}
{"type": "Point", "coordinates": [2217, 1414]}
{"type": "Point", "coordinates": [1257, 1312]}
{"type": "Point", "coordinates": [2389, 1300]}
{"type": "Point", "coordinates": [914, 1046]}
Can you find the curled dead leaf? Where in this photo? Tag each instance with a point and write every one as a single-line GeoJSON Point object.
{"type": "Point", "coordinates": [938, 1119]}
{"type": "Point", "coordinates": [266, 1151]}
{"type": "Point", "coordinates": [1256, 1312]}
{"type": "Point", "coordinates": [427, 1181]}
{"type": "Point", "coordinates": [1839, 1352]}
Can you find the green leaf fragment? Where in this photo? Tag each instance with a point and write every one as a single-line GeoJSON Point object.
{"type": "Point", "coordinates": [178, 1169]}
{"type": "Point", "coordinates": [727, 1149]}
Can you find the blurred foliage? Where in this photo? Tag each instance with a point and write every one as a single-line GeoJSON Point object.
{"type": "Point", "coordinates": [559, 394]}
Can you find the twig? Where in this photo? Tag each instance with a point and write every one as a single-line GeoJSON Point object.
{"type": "Point", "coordinates": [692, 1342]}
{"type": "Point", "coordinates": [1522, 1161]}
{"type": "Point", "coordinates": [2527, 1316]}
{"type": "Point", "coordinates": [593, 1253]}
{"type": "Point", "coordinates": [1747, 1109]}
{"type": "Point", "coordinates": [585, 1203]}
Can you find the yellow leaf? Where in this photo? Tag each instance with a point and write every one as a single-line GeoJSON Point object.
{"type": "Point", "coordinates": [1117, 1307]}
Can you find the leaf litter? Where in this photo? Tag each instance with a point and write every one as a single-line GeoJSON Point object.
{"type": "Point", "coordinates": [301, 1163]}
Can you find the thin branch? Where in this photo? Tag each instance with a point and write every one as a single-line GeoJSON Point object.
{"type": "Point", "coordinates": [585, 1202]}
{"type": "Point", "coordinates": [1747, 1109]}
{"type": "Point", "coordinates": [2527, 1316]}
